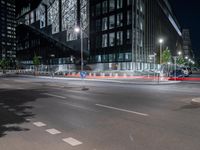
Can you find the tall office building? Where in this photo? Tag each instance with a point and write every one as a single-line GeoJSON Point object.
{"type": "Point", "coordinates": [126, 32]}
{"type": "Point", "coordinates": [118, 29]}
{"type": "Point", "coordinates": [49, 31]}
{"type": "Point", "coordinates": [7, 29]}
{"type": "Point", "coordinates": [118, 34]}
{"type": "Point", "coordinates": [187, 44]}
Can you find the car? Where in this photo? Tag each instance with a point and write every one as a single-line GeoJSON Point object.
{"type": "Point", "coordinates": [185, 72]}
{"type": "Point", "coordinates": [189, 70]}
{"type": "Point", "coordinates": [177, 74]}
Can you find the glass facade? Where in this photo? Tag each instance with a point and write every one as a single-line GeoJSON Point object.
{"type": "Point", "coordinates": [61, 15]}
{"type": "Point", "coordinates": [122, 30]}
{"type": "Point", "coordinates": [118, 30]}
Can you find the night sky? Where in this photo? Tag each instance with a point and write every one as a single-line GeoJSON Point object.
{"type": "Point", "coordinates": [188, 14]}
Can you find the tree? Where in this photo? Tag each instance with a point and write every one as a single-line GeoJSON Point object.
{"type": "Point", "coordinates": [181, 60]}
{"type": "Point", "coordinates": [4, 64]}
{"type": "Point", "coordinates": [166, 56]}
{"type": "Point", "coordinates": [36, 63]}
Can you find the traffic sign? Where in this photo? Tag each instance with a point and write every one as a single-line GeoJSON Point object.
{"type": "Point", "coordinates": [83, 74]}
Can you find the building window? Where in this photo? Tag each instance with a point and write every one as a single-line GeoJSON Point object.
{"type": "Point", "coordinates": [111, 5]}
{"type": "Point", "coordinates": [128, 57]}
{"type": "Point", "coordinates": [104, 40]}
{"type": "Point", "coordinates": [105, 58]}
{"type": "Point", "coordinates": [98, 41]}
{"type": "Point", "coordinates": [141, 25]}
{"type": "Point", "coordinates": [105, 7]}
{"type": "Point", "coordinates": [98, 9]}
{"type": "Point", "coordinates": [129, 17]}
{"type": "Point", "coordinates": [121, 57]}
{"type": "Point", "coordinates": [111, 22]}
{"type": "Point", "coordinates": [119, 20]}
{"type": "Point", "coordinates": [98, 58]}
{"type": "Point", "coordinates": [129, 2]}
{"type": "Point", "coordinates": [128, 36]}
{"type": "Point", "coordinates": [119, 38]}
{"type": "Point", "coordinates": [105, 23]}
{"type": "Point", "coordinates": [111, 39]}
{"type": "Point", "coordinates": [98, 25]}
{"type": "Point", "coordinates": [111, 57]}
{"type": "Point", "coordinates": [119, 4]}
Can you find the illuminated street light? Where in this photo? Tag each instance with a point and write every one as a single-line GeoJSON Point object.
{"type": "Point", "coordinates": [161, 42]}
{"type": "Point", "coordinates": [79, 30]}
{"type": "Point", "coordinates": [179, 53]}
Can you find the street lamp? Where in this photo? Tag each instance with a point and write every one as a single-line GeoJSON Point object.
{"type": "Point", "coordinates": [79, 30]}
{"type": "Point", "coordinates": [161, 42]}
{"type": "Point", "coordinates": [51, 67]}
{"type": "Point", "coordinates": [82, 74]}
{"type": "Point", "coordinates": [179, 53]}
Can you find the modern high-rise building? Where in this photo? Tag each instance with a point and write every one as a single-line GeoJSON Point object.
{"type": "Point", "coordinates": [7, 29]}
{"type": "Point", "coordinates": [126, 32]}
{"type": "Point", "coordinates": [187, 44]}
{"type": "Point", "coordinates": [118, 34]}
{"type": "Point", "coordinates": [47, 30]}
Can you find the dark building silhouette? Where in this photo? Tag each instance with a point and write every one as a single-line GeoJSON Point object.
{"type": "Point", "coordinates": [187, 44]}
{"type": "Point", "coordinates": [7, 29]}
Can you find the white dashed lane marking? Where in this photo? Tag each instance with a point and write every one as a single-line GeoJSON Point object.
{"type": "Point", "coordinates": [53, 131]}
{"type": "Point", "coordinates": [39, 124]}
{"type": "Point", "coordinates": [57, 96]}
{"type": "Point", "coordinates": [122, 110]}
{"type": "Point", "coordinates": [72, 141]}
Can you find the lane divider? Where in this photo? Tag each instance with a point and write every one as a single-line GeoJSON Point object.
{"type": "Point", "coordinates": [123, 110]}
{"type": "Point", "coordinates": [53, 95]}
{"type": "Point", "coordinates": [72, 141]}
{"type": "Point", "coordinates": [53, 131]}
{"type": "Point", "coordinates": [39, 124]}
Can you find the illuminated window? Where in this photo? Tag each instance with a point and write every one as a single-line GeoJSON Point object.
{"type": "Point", "coordinates": [119, 20]}
{"type": "Point", "coordinates": [111, 22]}
{"type": "Point", "coordinates": [104, 40]}
{"type": "Point", "coordinates": [105, 7]}
{"type": "Point", "coordinates": [111, 39]}
{"type": "Point", "coordinates": [111, 5]}
{"type": "Point", "coordinates": [105, 23]}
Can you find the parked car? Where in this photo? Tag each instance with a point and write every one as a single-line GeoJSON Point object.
{"type": "Point", "coordinates": [185, 72]}
{"type": "Point", "coordinates": [189, 70]}
{"type": "Point", "coordinates": [177, 74]}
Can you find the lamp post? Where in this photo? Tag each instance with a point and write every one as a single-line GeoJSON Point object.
{"type": "Point", "coordinates": [187, 58]}
{"type": "Point", "coordinates": [175, 61]}
{"type": "Point", "coordinates": [79, 30]}
{"type": "Point", "coordinates": [82, 74]}
{"type": "Point", "coordinates": [161, 42]}
{"type": "Point", "coordinates": [51, 67]}
{"type": "Point", "coordinates": [179, 53]}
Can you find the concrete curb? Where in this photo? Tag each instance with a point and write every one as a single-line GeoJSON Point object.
{"type": "Point", "coordinates": [196, 101]}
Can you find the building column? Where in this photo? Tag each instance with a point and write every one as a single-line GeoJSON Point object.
{"type": "Point", "coordinates": [60, 15]}
{"type": "Point", "coordinates": [78, 15]}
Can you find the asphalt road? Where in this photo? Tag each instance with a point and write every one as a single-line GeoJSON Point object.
{"type": "Point", "coordinates": [38, 114]}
